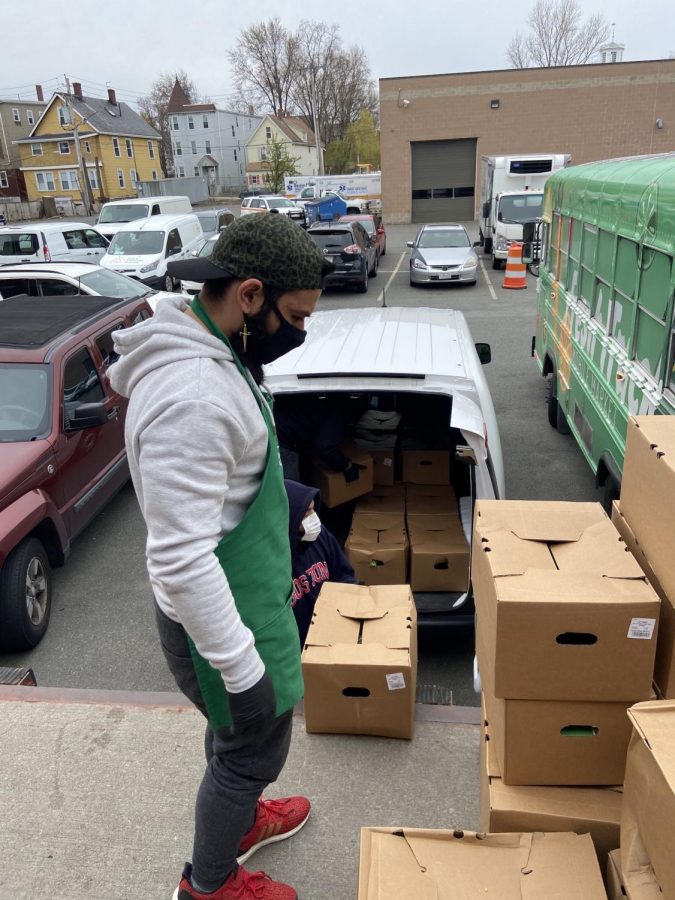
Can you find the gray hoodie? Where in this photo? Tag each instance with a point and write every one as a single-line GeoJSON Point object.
{"type": "Point", "coordinates": [196, 442]}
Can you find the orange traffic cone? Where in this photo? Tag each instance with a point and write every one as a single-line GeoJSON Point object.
{"type": "Point", "coordinates": [515, 268]}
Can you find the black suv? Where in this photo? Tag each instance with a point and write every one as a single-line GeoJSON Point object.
{"type": "Point", "coordinates": [347, 245]}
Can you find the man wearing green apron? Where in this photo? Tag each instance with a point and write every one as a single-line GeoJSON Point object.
{"type": "Point", "coordinates": [205, 464]}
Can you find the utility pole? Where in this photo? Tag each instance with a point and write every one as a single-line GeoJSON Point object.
{"type": "Point", "coordinates": [84, 188]}
{"type": "Point", "coordinates": [316, 125]}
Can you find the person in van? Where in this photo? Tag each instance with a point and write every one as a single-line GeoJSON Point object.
{"type": "Point", "coordinates": [204, 461]}
{"type": "Point", "coordinates": [316, 556]}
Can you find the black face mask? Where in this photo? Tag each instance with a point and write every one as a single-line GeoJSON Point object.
{"type": "Point", "coordinates": [263, 347]}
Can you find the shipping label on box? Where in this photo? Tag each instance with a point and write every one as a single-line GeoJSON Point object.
{"type": "Point", "coordinates": [648, 817]}
{"type": "Point", "coordinates": [335, 489]}
{"type": "Point", "coordinates": [427, 864]}
{"type": "Point", "coordinates": [360, 661]}
{"type": "Point", "coordinates": [584, 810]}
{"type": "Point", "coordinates": [383, 500]}
{"type": "Point", "coordinates": [664, 665]}
{"type": "Point", "coordinates": [564, 610]}
{"type": "Point", "coordinates": [384, 468]}
{"type": "Point", "coordinates": [439, 553]}
{"type": "Point", "coordinates": [431, 499]}
{"type": "Point", "coordinates": [377, 548]}
{"type": "Point", "coordinates": [426, 466]}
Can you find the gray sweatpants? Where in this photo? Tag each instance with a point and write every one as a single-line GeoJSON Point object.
{"type": "Point", "coordinates": [238, 769]}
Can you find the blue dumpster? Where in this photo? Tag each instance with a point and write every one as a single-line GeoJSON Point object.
{"type": "Point", "coordinates": [325, 209]}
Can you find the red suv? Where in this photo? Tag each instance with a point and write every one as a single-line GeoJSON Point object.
{"type": "Point", "coordinates": [62, 453]}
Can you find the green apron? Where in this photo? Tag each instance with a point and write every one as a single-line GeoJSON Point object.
{"type": "Point", "coordinates": [256, 558]}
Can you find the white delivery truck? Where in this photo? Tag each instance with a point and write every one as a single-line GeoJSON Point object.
{"type": "Point", "coordinates": [361, 193]}
{"type": "Point", "coordinates": [512, 193]}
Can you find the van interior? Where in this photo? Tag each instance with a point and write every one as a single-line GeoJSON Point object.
{"type": "Point", "coordinates": [319, 422]}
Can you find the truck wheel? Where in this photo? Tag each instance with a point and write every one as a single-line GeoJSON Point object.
{"type": "Point", "coordinates": [168, 283]}
{"type": "Point", "coordinates": [496, 263]}
{"type": "Point", "coordinates": [487, 246]}
{"type": "Point", "coordinates": [611, 490]}
{"type": "Point", "coordinates": [26, 596]}
{"type": "Point", "coordinates": [552, 403]}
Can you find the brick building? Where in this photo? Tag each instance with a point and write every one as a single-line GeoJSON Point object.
{"type": "Point", "coordinates": [435, 128]}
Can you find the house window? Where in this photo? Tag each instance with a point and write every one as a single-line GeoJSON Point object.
{"type": "Point", "coordinates": [130, 149]}
{"type": "Point", "coordinates": [613, 55]}
{"type": "Point", "coordinates": [191, 123]}
{"type": "Point", "coordinates": [87, 147]}
{"type": "Point", "coordinates": [36, 149]}
{"type": "Point", "coordinates": [93, 177]}
{"type": "Point", "coordinates": [208, 146]}
{"type": "Point", "coordinates": [263, 153]}
{"type": "Point", "coordinates": [16, 115]}
{"type": "Point", "coordinates": [133, 175]}
{"type": "Point", "coordinates": [205, 121]}
{"type": "Point", "coordinates": [44, 181]}
{"type": "Point", "coordinates": [235, 155]}
{"type": "Point", "coordinates": [193, 145]}
{"type": "Point", "coordinates": [268, 133]}
{"type": "Point", "coordinates": [154, 174]}
{"type": "Point", "coordinates": [254, 179]}
{"type": "Point", "coordinates": [197, 171]}
{"type": "Point", "coordinates": [181, 172]}
{"type": "Point", "coordinates": [174, 122]}
{"type": "Point", "coordinates": [179, 149]}
{"type": "Point", "coordinates": [120, 177]}
{"type": "Point", "coordinates": [64, 148]}
{"type": "Point", "coordinates": [116, 147]}
{"type": "Point", "coordinates": [69, 181]}
{"type": "Point", "coordinates": [151, 150]}
{"type": "Point", "coordinates": [64, 116]}
{"type": "Point", "coordinates": [30, 117]}
{"type": "Point", "coordinates": [4, 181]}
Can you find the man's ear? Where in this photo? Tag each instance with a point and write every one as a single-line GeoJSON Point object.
{"type": "Point", "coordinates": [250, 296]}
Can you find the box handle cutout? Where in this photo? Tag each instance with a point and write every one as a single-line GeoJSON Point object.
{"type": "Point", "coordinates": [374, 563]}
{"type": "Point", "coordinates": [441, 565]}
{"type": "Point", "coordinates": [356, 692]}
{"type": "Point", "coordinates": [425, 462]}
{"type": "Point", "coordinates": [579, 731]}
{"type": "Point", "coordinates": [580, 638]}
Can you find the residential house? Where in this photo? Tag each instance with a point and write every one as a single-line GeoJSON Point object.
{"type": "Point", "coordinates": [118, 149]}
{"type": "Point", "coordinates": [297, 137]}
{"type": "Point", "coordinates": [17, 118]}
{"type": "Point", "coordinates": [207, 141]}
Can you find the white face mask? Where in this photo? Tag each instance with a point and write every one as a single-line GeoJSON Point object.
{"type": "Point", "coordinates": [312, 526]}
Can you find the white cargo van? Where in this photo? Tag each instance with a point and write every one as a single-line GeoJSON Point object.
{"type": "Point", "coordinates": [51, 242]}
{"type": "Point", "coordinates": [142, 249]}
{"type": "Point", "coordinates": [118, 212]}
{"type": "Point", "coordinates": [422, 365]}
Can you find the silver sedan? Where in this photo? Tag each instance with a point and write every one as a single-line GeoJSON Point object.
{"type": "Point", "coordinates": [442, 253]}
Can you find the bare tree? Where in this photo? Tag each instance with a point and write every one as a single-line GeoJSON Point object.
{"type": "Point", "coordinates": [558, 36]}
{"type": "Point", "coordinates": [154, 106]}
{"type": "Point", "coordinates": [264, 65]}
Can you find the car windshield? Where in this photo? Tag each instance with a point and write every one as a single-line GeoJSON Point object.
{"type": "Point", "coordinates": [24, 401]}
{"type": "Point", "coordinates": [440, 238]}
{"type": "Point", "coordinates": [112, 284]}
{"type": "Point", "coordinates": [127, 212]}
{"type": "Point", "coordinates": [209, 221]}
{"type": "Point", "coordinates": [137, 243]}
{"type": "Point", "coordinates": [516, 210]}
{"type": "Point", "coordinates": [325, 239]}
{"type": "Point", "coordinates": [207, 248]}
{"type": "Point", "coordinates": [278, 203]}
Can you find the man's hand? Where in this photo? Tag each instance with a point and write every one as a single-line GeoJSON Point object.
{"type": "Point", "coordinates": [254, 708]}
{"type": "Point", "coordinates": [352, 471]}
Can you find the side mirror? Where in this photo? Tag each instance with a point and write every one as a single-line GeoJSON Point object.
{"type": "Point", "coordinates": [484, 353]}
{"type": "Point", "coordinates": [477, 244]}
{"type": "Point", "coordinates": [85, 415]}
{"type": "Point", "coordinates": [409, 243]}
{"type": "Point", "coordinates": [486, 210]}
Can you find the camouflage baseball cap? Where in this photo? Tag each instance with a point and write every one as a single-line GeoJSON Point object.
{"type": "Point", "coordinates": [265, 246]}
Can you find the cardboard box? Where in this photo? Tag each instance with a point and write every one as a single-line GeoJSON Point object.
{"type": "Point", "coordinates": [648, 817]}
{"type": "Point", "coordinates": [632, 885]}
{"type": "Point", "coordinates": [584, 810]}
{"type": "Point", "coordinates": [426, 864]}
{"type": "Point", "coordinates": [383, 500]}
{"type": "Point", "coordinates": [384, 466]}
{"type": "Point", "coordinates": [335, 489]}
{"type": "Point", "coordinates": [377, 548]}
{"type": "Point", "coordinates": [615, 888]}
{"type": "Point", "coordinates": [426, 466]}
{"type": "Point", "coordinates": [360, 661]}
{"type": "Point", "coordinates": [664, 665]}
{"type": "Point", "coordinates": [430, 500]}
{"type": "Point", "coordinates": [542, 742]}
{"type": "Point", "coordinates": [439, 554]}
{"type": "Point", "coordinates": [564, 610]}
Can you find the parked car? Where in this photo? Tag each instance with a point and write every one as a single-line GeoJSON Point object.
{"type": "Point", "coordinates": [51, 242]}
{"type": "Point", "coordinates": [116, 213]}
{"type": "Point", "coordinates": [442, 253]}
{"type": "Point", "coordinates": [349, 248]}
{"type": "Point", "coordinates": [267, 202]}
{"type": "Point", "coordinates": [69, 279]}
{"type": "Point", "coordinates": [62, 455]}
{"type": "Point", "coordinates": [194, 287]}
{"type": "Point", "coordinates": [141, 249]}
{"type": "Point", "coordinates": [252, 192]}
{"type": "Point", "coordinates": [374, 228]}
{"type": "Point", "coordinates": [422, 366]}
{"type": "Point", "coordinates": [213, 221]}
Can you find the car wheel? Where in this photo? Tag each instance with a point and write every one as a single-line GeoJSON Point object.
{"type": "Point", "coordinates": [376, 263]}
{"type": "Point", "coordinates": [168, 283]}
{"type": "Point", "coordinates": [384, 249]}
{"type": "Point", "coordinates": [26, 592]}
{"type": "Point", "coordinates": [362, 287]}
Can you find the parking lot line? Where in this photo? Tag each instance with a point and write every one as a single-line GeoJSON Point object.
{"type": "Point", "coordinates": [392, 276]}
{"type": "Point", "coordinates": [487, 280]}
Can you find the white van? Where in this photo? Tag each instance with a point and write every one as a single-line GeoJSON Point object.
{"type": "Point", "coordinates": [422, 367]}
{"type": "Point", "coordinates": [118, 212]}
{"type": "Point", "coordinates": [51, 242]}
{"type": "Point", "coordinates": [142, 249]}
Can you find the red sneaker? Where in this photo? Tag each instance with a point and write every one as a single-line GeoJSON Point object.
{"type": "Point", "coordinates": [275, 820]}
{"type": "Point", "coordinates": [241, 885]}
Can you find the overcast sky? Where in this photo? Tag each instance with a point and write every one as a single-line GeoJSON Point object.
{"type": "Point", "coordinates": [128, 43]}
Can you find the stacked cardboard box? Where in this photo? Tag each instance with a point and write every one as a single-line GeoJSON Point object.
{"type": "Point", "coordinates": [335, 489]}
{"type": "Point", "coordinates": [566, 637]}
{"type": "Point", "coordinates": [360, 661]}
{"type": "Point", "coordinates": [439, 551]}
{"type": "Point", "coordinates": [377, 548]}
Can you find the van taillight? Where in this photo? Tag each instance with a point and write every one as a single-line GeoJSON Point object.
{"type": "Point", "coordinates": [352, 249]}
{"type": "Point", "coordinates": [45, 249]}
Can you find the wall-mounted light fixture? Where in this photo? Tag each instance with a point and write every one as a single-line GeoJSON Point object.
{"type": "Point", "coordinates": [494, 104]}
{"type": "Point", "coordinates": [403, 103]}
{"type": "Point", "coordinates": [659, 122]}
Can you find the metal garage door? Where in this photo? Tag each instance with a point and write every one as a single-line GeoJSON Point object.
{"type": "Point", "coordinates": [443, 180]}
